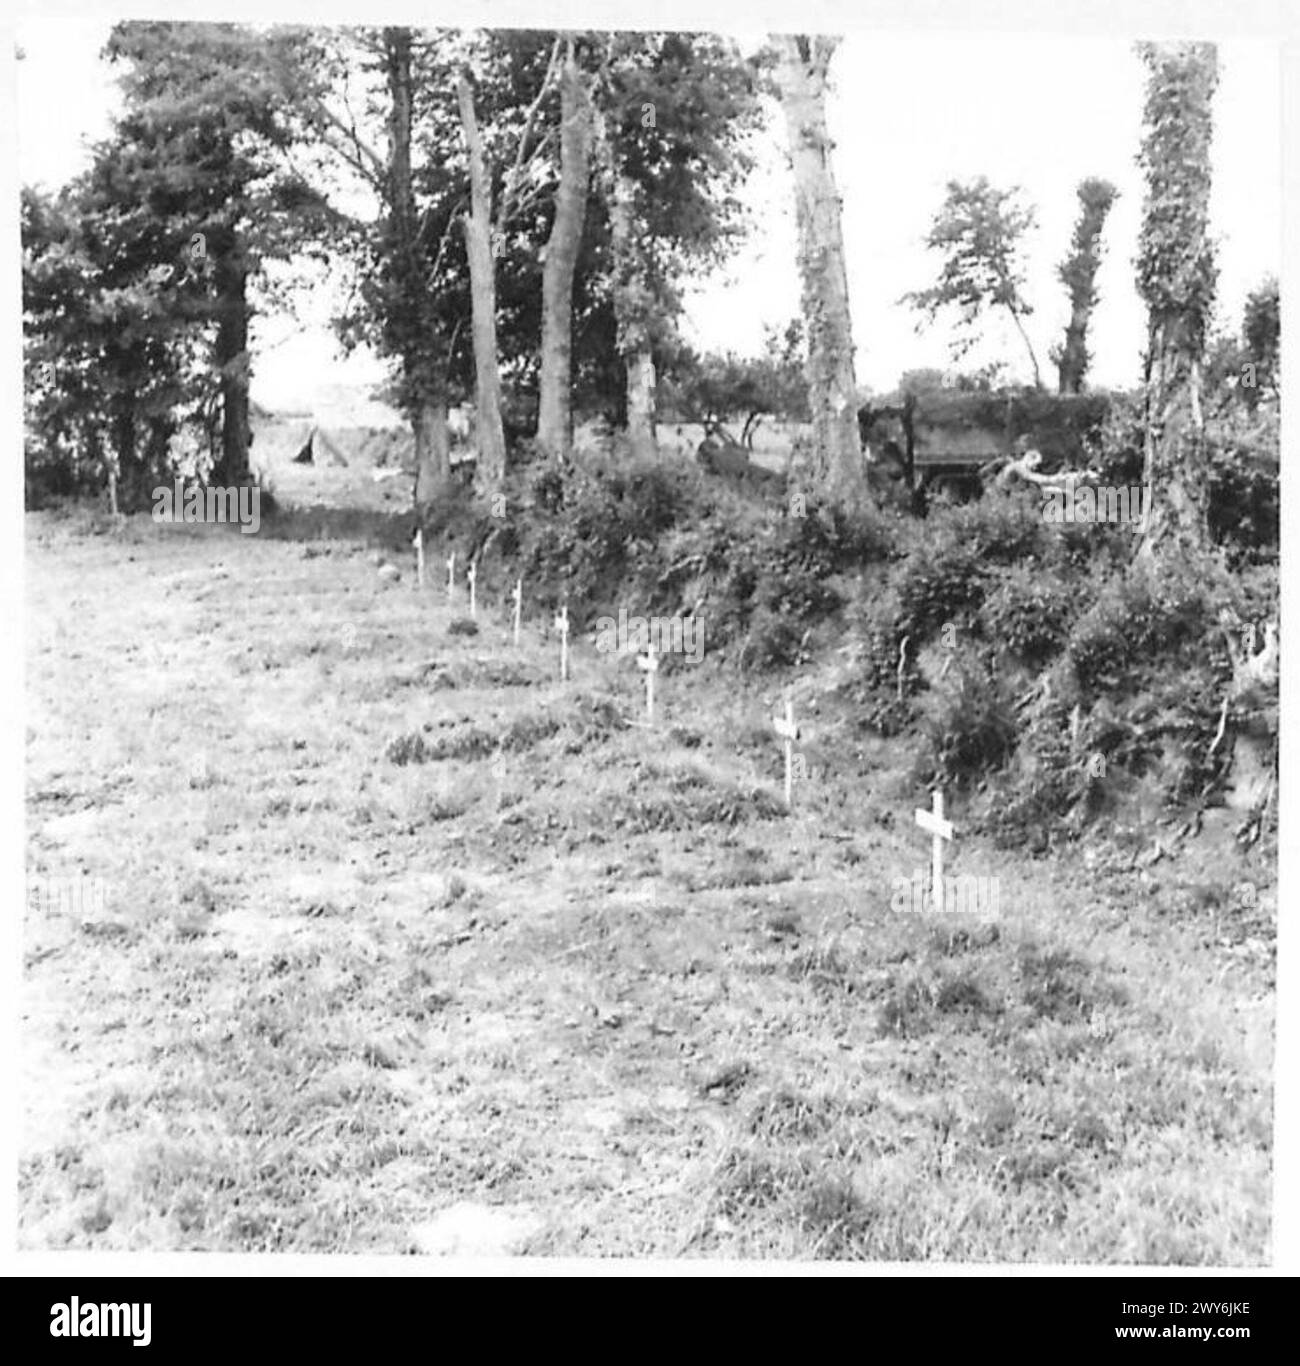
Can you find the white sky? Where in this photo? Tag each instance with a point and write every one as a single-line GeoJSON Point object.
{"type": "Point", "coordinates": [909, 112]}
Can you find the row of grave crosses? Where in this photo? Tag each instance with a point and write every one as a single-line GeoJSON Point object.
{"type": "Point", "coordinates": [933, 821]}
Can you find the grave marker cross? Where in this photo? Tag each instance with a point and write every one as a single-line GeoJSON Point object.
{"type": "Point", "coordinates": [562, 626]}
{"type": "Point", "coordinates": [933, 822]}
{"type": "Point", "coordinates": [789, 732]}
{"type": "Point", "coordinates": [650, 663]}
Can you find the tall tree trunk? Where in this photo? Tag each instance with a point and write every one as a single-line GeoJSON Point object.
{"type": "Point", "coordinates": [483, 302]}
{"type": "Point", "coordinates": [832, 387]}
{"type": "Point", "coordinates": [1176, 278]}
{"type": "Point", "coordinates": [432, 450]}
{"type": "Point", "coordinates": [1029, 348]}
{"type": "Point", "coordinates": [130, 488]}
{"type": "Point", "coordinates": [232, 368]}
{"type": "Point", "coordinates": [424, 397]}
{"type": "Point", "coordinates": [555, 412]}
{"type": "Point", "coordinates": [401, 197]}
{"type": "Point", "coordinates": [1175, 465]}
{"type": "Point", "coordinates": [1072, 364]}
{"type": "Point", "coordinates": [1078, 273]}
{"type": "Point", "coordinates": [633, 297]}
{"type": "Point", "coordinates": [641, 434]}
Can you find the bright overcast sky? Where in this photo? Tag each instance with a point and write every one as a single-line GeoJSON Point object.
{"type": "Point", "coordinates": [908, 113]}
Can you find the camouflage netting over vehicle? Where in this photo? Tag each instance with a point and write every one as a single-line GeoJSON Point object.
{"type": "Point", "coordinates": [951, 440]}
{"type": "Point", "coordinates": [1064, 428]}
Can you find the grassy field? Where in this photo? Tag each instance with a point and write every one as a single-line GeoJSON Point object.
{"type": "Point", "coordinates": [397, 924]}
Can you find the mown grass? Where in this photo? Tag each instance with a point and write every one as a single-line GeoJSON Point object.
{"type": "Point", "coordinates": [396, 920]}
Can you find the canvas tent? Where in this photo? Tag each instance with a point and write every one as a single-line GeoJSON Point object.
{"type": "Point", "coordinates": [357, 435]}
{"type": "Point", "coordinates": [346, 431]}
{"type": "Point", "coordinates": [324, 448]}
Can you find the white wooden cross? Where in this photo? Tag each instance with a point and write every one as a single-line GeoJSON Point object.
{"type": "Point", "coordinates": [519, 606]}
{"type": "Point", "coordinates": [650, 663]}
{"type": "Point", "coordinates": [419, 557]}
{"type": "Point", "coordinates": [941, 830]}
{"type": "Point", "coordinates": [451, 577]}
{"type": "Point", "coordinates": [789, 732]}
{"type": "Point", "coordinates": [562, 626]}
{"type": "Point", "coordinates": [471, 574]}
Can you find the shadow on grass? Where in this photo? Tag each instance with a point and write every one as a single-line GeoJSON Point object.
{"type": "Point", "coordinates": [318, 522]}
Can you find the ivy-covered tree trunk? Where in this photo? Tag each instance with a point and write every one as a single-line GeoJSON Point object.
{"type": "Point", "coordinates": [482, 272]}
{"type": "Point", "coordinates": [1072, 363]}
{"type": "Point", "coordinates": [1078, 273]}
{"type": "Point", "coordinates": [633, 296]}
{"type": "Point", "coordinates": [555, 415]}
{"type": "Point", "coordinates": [1175, 465]}
{"type": "Point", "coordinates": [1176, 278]}
{"type": "Point", "coordinates": [832, 387]}
{"type": "Point", "coordinates": [232, 365]}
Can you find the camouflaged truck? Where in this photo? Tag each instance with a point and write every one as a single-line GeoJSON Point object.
{"type": "Point", "coordinates": [949, 444]}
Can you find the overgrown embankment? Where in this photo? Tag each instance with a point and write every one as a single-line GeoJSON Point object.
{"type": "Point", "coordinates": [1033, 665]}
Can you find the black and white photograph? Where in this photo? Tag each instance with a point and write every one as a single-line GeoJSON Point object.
{"type": "Point", "coordinates": [647, 644]}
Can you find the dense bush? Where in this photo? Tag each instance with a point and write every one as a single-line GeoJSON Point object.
{"type": "Point", "coordinates": [968, 724]}
{"type": "Point", "coordinates": [1135, 698]}
{"type": "Point", "coordinates": [779, 579]}
{"type": "Point", "coordinates": [1051, 786]}
{"type": "Point", "coordinates": [1243, 448]}
{"type": "Point", "coordinates": [773, 641]}
{"type": "Point", "coordinates": [937, 587]}
{"type": "Point", "coordinates": [1141, 621]}
{"type": "Point", "coordinates": [948, 566]}
{"type": "Point", "coordinates": [1000, 528]}
{"type": "Point", "coordinates": [47, 480]}
{"type": "Point", "coordinates": [1029, 614]}
{"type": "Point", "coordinates": [1079, 677]}
{"type": "Point", "coordinates": [608, 532]}
{"type": "Point", "coordinates": [581, 528]}
{"type": "Point", "coordinates": [873, 654]}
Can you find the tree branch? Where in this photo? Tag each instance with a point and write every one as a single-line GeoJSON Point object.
{"type": "Point", "coordinates": [505, 207]}
{"type": "Point", "coordinates": [363, 159]}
